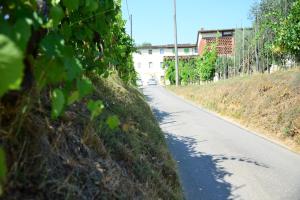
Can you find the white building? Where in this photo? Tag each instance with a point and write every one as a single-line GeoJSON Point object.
{"type": "Point", "coordinates": [148, 62]}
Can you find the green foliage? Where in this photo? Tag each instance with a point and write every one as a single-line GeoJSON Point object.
{"type": "Point", "coordinates": [56, 14]}
{"type": "Point", "coordinates": [71, 4]}
{"type": "Point", "coordinates": [64, 43]}
{"type": "Point", "coordinates": [11, 65]}
{"type": "Point", "coordinates": [96, 108]}
{"type": "Point", "coordinates": [206, 63]}
{"type": "Point", "coordinates": [277, 28]}
{"type": "Point", "coordinates": [58, 102]}
{"type": "Point", "coordinates": [113, 122]}
{"type": "Point", "coordinates": [193, 70]}
{"type": "Point", "coordinates": [170, 70]}
{"type": "Point", "coordinates": [85, 87]}
{"type": "Point", "coordinates": [3, 169]}
{"type": "Point", "coordinates": [288, 35]}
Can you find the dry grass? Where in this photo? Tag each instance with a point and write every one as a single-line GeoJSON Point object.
{"type": "Point", "coordinates": [74, 158]}
{"type": "Point", "coordinates": [269, 104]}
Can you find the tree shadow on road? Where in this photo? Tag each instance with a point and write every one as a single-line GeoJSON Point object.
{"type": "Point", "coordinates": [201, 177]}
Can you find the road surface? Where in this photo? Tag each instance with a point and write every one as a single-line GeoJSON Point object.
{"type": "Point", "coordinates": [219, 160]}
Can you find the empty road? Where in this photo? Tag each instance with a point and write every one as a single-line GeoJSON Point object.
{"type": "Point", "coordinates": [219, 160]}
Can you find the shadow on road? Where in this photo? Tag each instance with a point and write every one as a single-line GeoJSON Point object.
{"type": "Point", "coordinates": [199, 173]}
{"type": "Point", "coordinates": [202, 175]}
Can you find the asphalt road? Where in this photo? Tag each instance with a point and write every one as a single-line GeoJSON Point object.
{"type": "Point", "coordinates": [220, 160]}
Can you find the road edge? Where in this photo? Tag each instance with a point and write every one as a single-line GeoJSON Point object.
{"type": "Point", "coordinates": [235, 123]}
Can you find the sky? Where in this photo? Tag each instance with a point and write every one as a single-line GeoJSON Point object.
{"type": "Point", "coordinates": [153, 19]}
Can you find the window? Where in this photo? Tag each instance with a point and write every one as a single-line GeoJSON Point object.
{"type": "Point", "coordinates": [150, 51]}
{"type": "Point", "coordinates": [195, 50]}
{"type": "Point", "coordinates": [150, 65]}
{"type": "Point", "coordinates": [162, 51]}
{"type": "Point", "coordinates": [161, 65]}
{"type": "Point", "coordinates": [186, 50]}
{"type": "Point", "coordinates": [173, 50]}
{"type": "Point", "coordinates": [227, 33]}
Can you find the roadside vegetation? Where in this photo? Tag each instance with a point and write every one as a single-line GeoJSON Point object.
{"type": "Point", "coordinates": [272, 43]}
{"type": "Point", "coordinates": [247, 91]}
{"type": "Point", "coordinates": [72, 126]}
{"type": "Point", "coordinates": [268, 103]}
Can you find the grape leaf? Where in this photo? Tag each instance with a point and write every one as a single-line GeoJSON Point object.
{"type": "Point", "coordinates": [91, 5]}
{"type": "Point", "coordinates": [71, 4]}
{"type": "Point", "coordinates": [73, 97]}
{"type": "Point", "coordinates": [58, 101]}
{"type": "Point", "coordinates": [55, 2]}
{"type": "Point", "coordinates": [113, 122]}
{"type": "Point", "coordinates": [52, 45]}
{"type": "Point", "coordinates": [84, 87]}
{"type": "Point", "coordinates": [49, 71]}
{"type": "Point", "coordinates": [11, 65]}
{"type": "Point", "coordinates": [95, 107]}
{"type": "Point", "coordinates": [73, 67]}
{"type": "Point", "coordinates": [56, 14]}
{"type": "Point", "coordinates": [22, 33]}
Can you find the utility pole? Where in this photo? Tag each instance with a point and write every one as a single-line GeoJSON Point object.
{"type": "Point", "coordinates": [176, 49]}
{"type": "Point", "coordinates": [234, 57]}
{"type": "Point", "coordinates": [243, 50]}
{"type": "Point", "coordinates": [130, 18]}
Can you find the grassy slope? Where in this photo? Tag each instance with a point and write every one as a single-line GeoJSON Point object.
{"type": "Point", "coordinates": [269, 104]}
{"type": "Point", "coordinates": [73, 158]}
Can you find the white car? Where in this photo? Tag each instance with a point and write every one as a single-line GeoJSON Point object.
{"type": "Point", "coordinates": [151, 81]}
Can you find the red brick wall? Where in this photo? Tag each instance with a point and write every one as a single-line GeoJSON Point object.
{"type": "Point", "coordinates": [224, 47]}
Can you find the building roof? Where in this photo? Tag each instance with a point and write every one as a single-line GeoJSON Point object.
{"type": "Point", "coordinates": [167, 46]}
{"type": "Point", "coordinates": [216, 30]}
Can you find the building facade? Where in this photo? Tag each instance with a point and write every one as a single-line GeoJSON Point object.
{"type": "Point", "coordinates": [148, 61]}
{"type": "Point", "coordinates": [223, 37]}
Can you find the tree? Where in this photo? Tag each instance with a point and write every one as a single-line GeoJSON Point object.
{"type": "Point", "coordinates": [206, 63]}
{"type": "Point", "coordinates": [288, 36]}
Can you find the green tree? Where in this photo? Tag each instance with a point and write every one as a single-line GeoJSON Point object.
{"type": "Point", "coordinates": [169, 67]}
{"type": "Point", "coordinates": [206, 63]}
{"type": "Point", "coordinates": [288, 35]}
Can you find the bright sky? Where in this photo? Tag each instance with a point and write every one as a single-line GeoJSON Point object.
{"type": "Point", "coordinates": [153, 19]}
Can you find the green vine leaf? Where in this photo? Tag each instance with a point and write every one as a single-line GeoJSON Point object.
{"type": "Point", "coordinates": [58, 102]}
{"type": "Point", "coordinates": [11, 65]}
{"type": "Point", "coordinates": [84, 87]}
{"type": "Point", "coordinates": [113, 122]}
{"type": "Point", "coordinates": [91, 5]}
{"type": "Point", "coordinates": [73, 67]}
{"type": "Point", "coordinates": [71, 4]}
{"type": "Point", "coordinates": [22, 33]}
{"type": "Point", "coordinates": [73, 97]}
{"type": "Point", "coordinates": [95, 107]}
{"type": "Point", "coordinates": [55, 2]}
{"type": "Point", "coordinates": [56, 14]}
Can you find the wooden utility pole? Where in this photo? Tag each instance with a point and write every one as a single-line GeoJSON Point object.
{"type": "Point", "coordinates": [234, 61]}
{"type": "Point", "coordinates": [176, 49]}
{"type": "Point", "coordinates": [130, 18]}
{"type": "Point", "coordinates": [256, 46]}
{"type": "Point", "coordinates": [243, 50]}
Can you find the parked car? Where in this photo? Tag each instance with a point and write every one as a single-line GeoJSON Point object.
{"type": "Point", "coordinates": [139, 82]}
{"type": "Point", "coordinates": [151, 81]}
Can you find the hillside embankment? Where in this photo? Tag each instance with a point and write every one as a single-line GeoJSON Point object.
{"type": "Point", "coordinates": [73, 157]}
{"type": "Point", "coordinates": [266, 103]}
